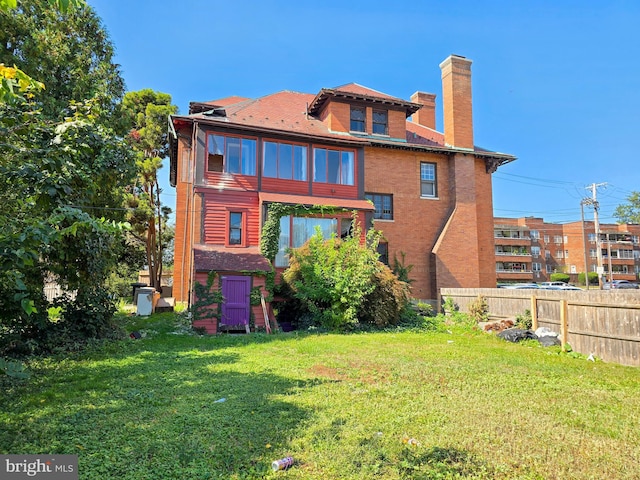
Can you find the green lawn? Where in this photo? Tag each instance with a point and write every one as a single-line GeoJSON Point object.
{"type": "Point", "coordinates": [177, 406]}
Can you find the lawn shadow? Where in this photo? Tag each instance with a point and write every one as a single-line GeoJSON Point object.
{"type": "Point", "coordinates": [157, 413]}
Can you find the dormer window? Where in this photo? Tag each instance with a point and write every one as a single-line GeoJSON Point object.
{"type": "Point", "coordinates": [380, 122]}
{"type": "Point", "coordinates": [358, 119]}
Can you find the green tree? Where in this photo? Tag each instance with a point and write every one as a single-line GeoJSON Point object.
{"type": "Point", "coordinates": [62, 172]}
{"type": "Point", "coordinates": [629, 212]}
{"type": "Point", "coordinates": [67, 50]}
{"type": "Point", "coordinates": [146, 113]}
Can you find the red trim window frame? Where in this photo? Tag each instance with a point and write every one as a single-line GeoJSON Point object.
{"type": "Point", "coordinates": [289, 165]}
{"type": "Point", "coordinates": [234, 226]}
{"type": "Point", "coordinates": [325, 166]}
{"type": "Point", "coordinates": [216, 154]}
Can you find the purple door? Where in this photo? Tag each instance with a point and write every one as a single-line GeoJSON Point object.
{"type": "Point", "coordinates": [235, 307]}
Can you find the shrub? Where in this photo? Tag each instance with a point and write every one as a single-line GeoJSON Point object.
{"type": "Point", "coordinates": [560, 277]}
{"type": "Point", "coordinates": [449, 306]}
{"type": "Point", "coordinates": [524, 320]}
{"type": "Point", "coordinates": [384, 305]}
{"type": "Point", "coordinates": [479, 309]}
{"type": "Point", "coordinates": [593, 278]}
{"type": "Point", "coordinates": [332, 278]}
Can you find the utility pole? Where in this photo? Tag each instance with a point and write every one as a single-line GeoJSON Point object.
{"type": "Point", "coordinates": [584, 244]}
{"type": "Point", "coordinates": [594, 202]}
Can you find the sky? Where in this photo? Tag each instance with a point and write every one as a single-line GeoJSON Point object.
{"type": "Point", "coordinates": [554, 83]}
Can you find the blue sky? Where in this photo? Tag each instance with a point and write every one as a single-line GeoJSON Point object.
{"type": "Point", "coordinates": [555, 83]}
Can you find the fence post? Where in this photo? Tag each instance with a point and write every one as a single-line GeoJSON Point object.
{"type": "Point", "coordinates": [564, 322]}
{"type": "Point", "coordinates": [534, 313]}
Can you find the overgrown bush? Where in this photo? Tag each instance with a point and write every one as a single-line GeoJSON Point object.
{"type": "Point", "coordinates": [334, 280]}
{"type": "Point", "coordinates": [479, 309]}
{"type": "Point", "coordinates": [384, 304]}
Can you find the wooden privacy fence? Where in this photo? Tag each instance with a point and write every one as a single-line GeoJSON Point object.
{"type": "Point", "coordinates": [600, 322]}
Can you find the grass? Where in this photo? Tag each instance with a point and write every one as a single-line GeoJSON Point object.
{"type": "Point", "coordinates": [176, 406]}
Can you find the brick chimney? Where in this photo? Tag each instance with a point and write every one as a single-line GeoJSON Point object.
{"type": "Point", "coordinates": [456, 99]}
{"type": "Point", "coordinates": [426, 116]}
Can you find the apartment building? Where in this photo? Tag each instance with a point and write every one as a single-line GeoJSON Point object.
{"type": "Point", "coordinates": [528, 249]}
{"type": "Point", "coordinates": [350, 149]}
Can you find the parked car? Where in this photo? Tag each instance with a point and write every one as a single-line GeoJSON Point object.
{"type": "Point", "coordinates": [619, 285]}
{"type": "Point", "coordinates": [519, 285]}
{"type": "Point", "coordinates": [552, 284]}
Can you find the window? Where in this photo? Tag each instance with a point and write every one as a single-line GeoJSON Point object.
{"type": "Point", "coordinates": [535, 251]}
{"type": "Point", "coordinates": [428, 180]}
{"type": "Point", "coordinates": [536, 267]}
{"type": "Point", "coordinates": [566, 239]}
{"type": "Point", "coordinates": [559, 253]}
{"type": "Point", "coordinates": [333, 166]}
{"type": "Point", "coordinates": [593, 253]}
{"type": "Point", "coordinates": [635, 239]}
{"type": "Point", "coordinates": [235, 228]}
{"type": "Point", "coordinates": [231, 154]}
{"type": "Point", "coordinates": [284, 160]}
{"type": "Point", "coordinates": [358, 119]}
{"type": "Point", "coordinates": [592, 237]}
{"type": "Point", "coordinates": [383, 204]}
{"type": "Point", "coordinates": [546, 239]}
{"type": "Point", "coordinates": [380, 124]}
{"type": "Point", "coordinates": [566, 254]}
{"type": "Point", "coordinates": [534, 234]}
{"type": "Point", "coordinates": [295, 231]}
{"type": "Point", "coordinates": [549, 268]}
{"type": "Point", "coordinates": [557, 239]}
{"type": "Point", "coordinates": [547, 253]}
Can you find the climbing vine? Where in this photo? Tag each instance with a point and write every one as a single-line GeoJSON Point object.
{"type": "Point", "coordinates": [271, 227]}
{"type": "Point", "coordinates": [206, 296]}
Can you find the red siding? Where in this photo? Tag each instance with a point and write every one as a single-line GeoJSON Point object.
{"type": "Point", "coordinates": [285, 186]}
{"type": "Point", "coordinates": [334, 190]}
{"type": "Point", "coordinates": [217, 206]}
{"type": "Point", "coordinates": [232, 181]}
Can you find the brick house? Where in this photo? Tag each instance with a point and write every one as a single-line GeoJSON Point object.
{"type": "Point", "coordinates": [528, 249]}
{"type": "Point", "coordinates": [350, 148]}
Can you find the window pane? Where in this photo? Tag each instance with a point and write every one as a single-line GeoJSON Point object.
{"type": "Point", "coordinates": [305, 227]}
{"type": "Point", "coordinates": [299, 162]}
{"type": "Point", "coordinates": [235, 228]}
{"type": "Point", "coordinates": [233, 155]}
{"type": "Point", "coordinates": [380, 122]}
{"type": "Point", "coordinates": [333, 167]}
{"type": "Point", "coordinates": [386, 207]}
{"type": "Point", "coordinates": [285, 161]}
{"type": "Point", "coordinates": [358, 118]}
{"type": "Point", "coordinates": [427, 171]}
{"type": "Point", "coordinates": [248, 157]}
{"type": "Point", "coordinates": [427, 190]}
{"type": "Point", "coordinates": [282, 258]}
{"type": "Point", "coordinates": [270, 166]}
{"type": "Point", "coordinates": [216, 144]}
{"type": "Point", "coordinates": [347, 168]}
{"type": "Point", "coordinates": [319, 165]}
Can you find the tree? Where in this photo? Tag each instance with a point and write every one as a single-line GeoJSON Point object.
{"type": "Point", "coordinates": [68, 51]}
{"type": "Point", "coordinates": [629, 212]}
{"type": "Point", "coordinates": [62, 172]}
{"type": "Point", "coordinates": [146, 113]}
